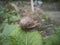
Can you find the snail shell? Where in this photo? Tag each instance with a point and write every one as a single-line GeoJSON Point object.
{"type": "Point", "coordinates": [27, 22]}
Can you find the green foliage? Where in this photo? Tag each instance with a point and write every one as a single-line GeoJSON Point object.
{"type": "Point", "coordinates": [3, 12]}
{"type": "Point", "coordinates": [27, 38]}
{"type": "Point", "coordinates": [4, 36]}
{"type": "Point", "coordinates": [13, 35]}
{"type": "Point", "coordinates": [9, 28]}
{"type": "Point", "coordinates": [7, 15]}
{"type": "Point", "coordinates": [54, 39]}
{"type": "Point", "coordinates": [14, 18]}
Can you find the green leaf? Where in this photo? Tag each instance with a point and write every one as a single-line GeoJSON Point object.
{"type": "Point", "coordinates": [13, 35]}
{"type": "Point", "coordinates": [6, 32]}
{"type": "Point", "coordinates": [13, 18]}
{"type": "Point", "coordinates": [25, 38]}
{"type": "Point", "coordinates": [54, 39]}
{"type": "Point", "coordinates": [9, 28]}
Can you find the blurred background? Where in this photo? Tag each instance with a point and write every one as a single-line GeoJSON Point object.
{"type": "Point", "coordinates": [10, 15]}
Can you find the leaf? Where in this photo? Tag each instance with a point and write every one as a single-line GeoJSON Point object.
{"type": "Point", "coordinates": [54, 39]}
{"type": "Point", "coordinates": [6, 32]}
{"type": "Point", "coordinates": [13, 35]}
{"type": "Point", "coordinates": [25, 38]}
{"type": "Point", "coordinates": [9, 28]}
{"type": "Point", "coordinates": [13, 18]}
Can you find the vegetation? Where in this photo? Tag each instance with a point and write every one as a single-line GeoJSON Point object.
{"type": "Point", "coordinates": [12, 34]}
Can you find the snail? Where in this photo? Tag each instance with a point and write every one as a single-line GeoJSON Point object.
{"type": "Point", "coordinates": [28, 23]}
